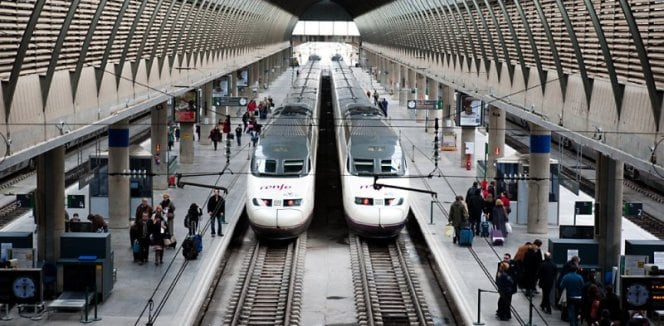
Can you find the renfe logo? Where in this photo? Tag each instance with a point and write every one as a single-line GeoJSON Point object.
{"type": "Point", "coordinates": [369, 186]}
{"type": "Point", "coordinates": [275, 187]}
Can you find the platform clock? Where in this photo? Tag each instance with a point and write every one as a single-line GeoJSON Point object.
{"type": "Point", "coordinates": [24, 287]}
{"type": "Point", "coordinates": [637, 294]}
{"type": "Point", "coordinates": [243, 101]}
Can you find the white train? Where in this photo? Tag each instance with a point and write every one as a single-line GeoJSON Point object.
{"type": "Point", "coordinates": [368, 147]}
{"type": "Point", "coordinates": [280, 183]}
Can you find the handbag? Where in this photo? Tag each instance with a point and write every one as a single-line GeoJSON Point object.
{"type": "Point", "coordinates": [508, 227]}
{"type": "Point", "coordinates": [136, 247]}
{"type": "Point", "coordinates": [563, 298]}
{"type": "Point", "coordinates": [449, 230]}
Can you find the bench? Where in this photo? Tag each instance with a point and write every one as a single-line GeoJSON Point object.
{"type": "Point", "coordinates": [71, 301]}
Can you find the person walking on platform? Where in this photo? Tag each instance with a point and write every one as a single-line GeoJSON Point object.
{"type": "Point", "coordinates": [215, 136]}
{"type": "Point", "coordinates": [531, 263]}
{"type": "Point", "coordinates": [216, 207]}
{"type": "Point", "coordinates": [193, 215]}
{"type": "Point", "coordinates": [169, 209]}
{"type": "Point", "coordinates": [383, 106]}
{"type": "Point", "coordinates": [572, 284]}
{"type": "Point", "coordinates": [158, 232]}
{"type": "Point", "coordinates": [245, 120]}
{"type": "Point", "coordinates": [506, 288]}
{"type": "Point", "coordinates": [171, 137]}
{"type": "Point", "coordinates": [475, 207]}
{"type": "Point", "coordinates": [143, 237]}
{"type": "Point", "coordinates": [226, 129]}
{"type": "Point", "coordinates": [238, 134]}
{"type": "Point", "coordinates": [547, 276]}
{"type": "Point", "coordinates": [499, 217]}
{"type": "Point", "coordinates": [458, 216]}
{"type": "Point", "coordinates": [375, 96]}
{"type": "Point", "coordinates": [143, 207]}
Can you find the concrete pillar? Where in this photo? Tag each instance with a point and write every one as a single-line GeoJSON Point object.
{"type": "Point", "coordinates": [118, 185]}
{"type": "Point", "coordinates": [467, 136]}
{"type": "Point", "coordinates": [383, 72]}
{"type": "Point", "coordinates": [496, 139]}
{"type": "Point", "coordinates": [449, 104]}
{"type": "Point", "coordinates": [232, 81]}
{"type": "Point", "coordinates": [608, 210]}
{"type": "Point", "coordinates": [420, 85]}
{"type": "Point", "coordinates": [50, 203]}
{"type": "Point", "coordinates": [159, 136]}
{"type": "Point", "coordinates": [431, 115]}
{"type": "Point", "coordinates": [538, 181]}
{"type": "Point", "coordinates": [207, 119]}
{"type": "Point", "coordinates": [396, 79]}
{"type": "Point", "coordinates": [186, 143]}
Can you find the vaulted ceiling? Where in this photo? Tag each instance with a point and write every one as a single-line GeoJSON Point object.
{"type": "Point", "coordinates": [354, 7]}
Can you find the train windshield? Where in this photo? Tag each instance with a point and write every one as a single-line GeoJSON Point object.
{"type": "Point", "coordinates": [277, 167]}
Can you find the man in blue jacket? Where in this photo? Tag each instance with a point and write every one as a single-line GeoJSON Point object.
{"type": "Point", "coordinates": [572, 283]}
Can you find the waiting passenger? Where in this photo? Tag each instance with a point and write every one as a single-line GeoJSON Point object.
{"type": "Point", "coordinates": [458, 216]}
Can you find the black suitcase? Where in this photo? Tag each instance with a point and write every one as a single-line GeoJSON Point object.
{"type": "Point", "coordinates": [189, 249]}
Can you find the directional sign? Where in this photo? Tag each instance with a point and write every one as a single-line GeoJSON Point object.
{"type": "Point", "coordinates": [422, 104]}
{"type": "Point", "coordinates": [231, 101]}
{"type": "Point", "coordinates": [633, 209]}
{"type": "Point", "coordinates": [76, 201]}
{"type": "Point", "coordinates": [583, 208]}
{"type": "Point", "coordinates": [25, 200]}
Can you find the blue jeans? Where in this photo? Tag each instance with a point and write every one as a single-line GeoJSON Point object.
{"type": "Point", "coordinates": [573, 306]}
{"type": "Point", "coordinates": [218, 219]}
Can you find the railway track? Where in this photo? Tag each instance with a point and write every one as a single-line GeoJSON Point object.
{"type": "Point", "coordinates": [386, 289]}
{"type": "Point", "coordinates": [269, 291]}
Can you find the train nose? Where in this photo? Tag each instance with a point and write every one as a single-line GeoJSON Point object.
{"type": "Point", "coordinates": [283, 217]}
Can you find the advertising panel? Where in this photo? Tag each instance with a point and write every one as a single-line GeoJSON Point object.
{"type": "Point", "coordinates": [243, 78]}
{"type": "Point", "coordinates": [219, 90]}
{"type": "Point", "coordinates": [185, 107]}
{"type": "Point", "coordinates": [469, 111]}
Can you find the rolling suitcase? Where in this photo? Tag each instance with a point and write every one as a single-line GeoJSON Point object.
{"type": "Point", "coordinates": [497, 237]}
{"type": "Point", "coordinates": [198, 242]}
{"type": "Point", "coordinates": [465, 237]}
{"type": "Point", "coordinates": [484, 229]}
{"type": "Point", "coordinates": [189, 249]}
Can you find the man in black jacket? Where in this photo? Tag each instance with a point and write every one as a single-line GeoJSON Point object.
{"type": "Point", "coordinates": [546, 275]}
{"type": "Point", "coordinates": [216, 207]}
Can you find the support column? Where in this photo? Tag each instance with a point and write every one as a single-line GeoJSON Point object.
{"type": "Point", "coordinates": [118, 185]}
{"type": "Point", "coordinates": [206, 120]}
{"type": "Point", "coordinates": [467, 136]}
{"type": "Point", "coordinates": [496, 140]}
{"type": "Point", "coordinates": [396, 80]}
{"type": "Point", "coordinates": [608, 210]}
{"type": "Point", "coordinates": [222, 111]}
{"type": "Point", "coordinates": [186, 143]}
{"type": "Point", "coordinates": [431, 115]}
{"type": "Point", "coordinates": [159, 137]}
{"type": "Point", "coordinates": [420, 85]}
{"type": "Point", "coordinates": [50, 203]}
{"type": "Point", "coordinates": [538, 181]}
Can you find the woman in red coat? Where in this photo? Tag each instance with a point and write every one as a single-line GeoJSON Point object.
{"type": "Point", "coordinates": [227, 125]}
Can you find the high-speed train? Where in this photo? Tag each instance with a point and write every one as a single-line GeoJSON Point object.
{"type": "Point", "coordinates": [368, 147]}
{"type": "Point", "coordinates": [280, 183]}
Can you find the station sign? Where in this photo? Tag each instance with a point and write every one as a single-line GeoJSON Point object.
{"type": "Point", "coordinates": [633, 209]}
{"type": "Point", "coordinates": [25, 200]}
{"type": "Point", "coordinates": [231, 101]}
{"type": "Point", "coordinates": [422, 104]}
{"type": "Point", "coordinates": [583, 208]}
{"type": "Point", "coordinates": [75, 201]}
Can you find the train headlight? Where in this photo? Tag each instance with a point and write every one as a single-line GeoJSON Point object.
{"type": "Point", "coordinates": [262, 202]}
{"type": "Point", "coordinates": [292, 202]}
{"type": "Point", "coordinates": [393, 201]}
{"type": "Point", "coordinates": [364, 201]}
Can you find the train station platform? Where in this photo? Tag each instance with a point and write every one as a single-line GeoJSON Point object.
{"type": "Point", "coordinates": [141, 291]}
{"type": "Point", "coordinates": [465, 270]}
